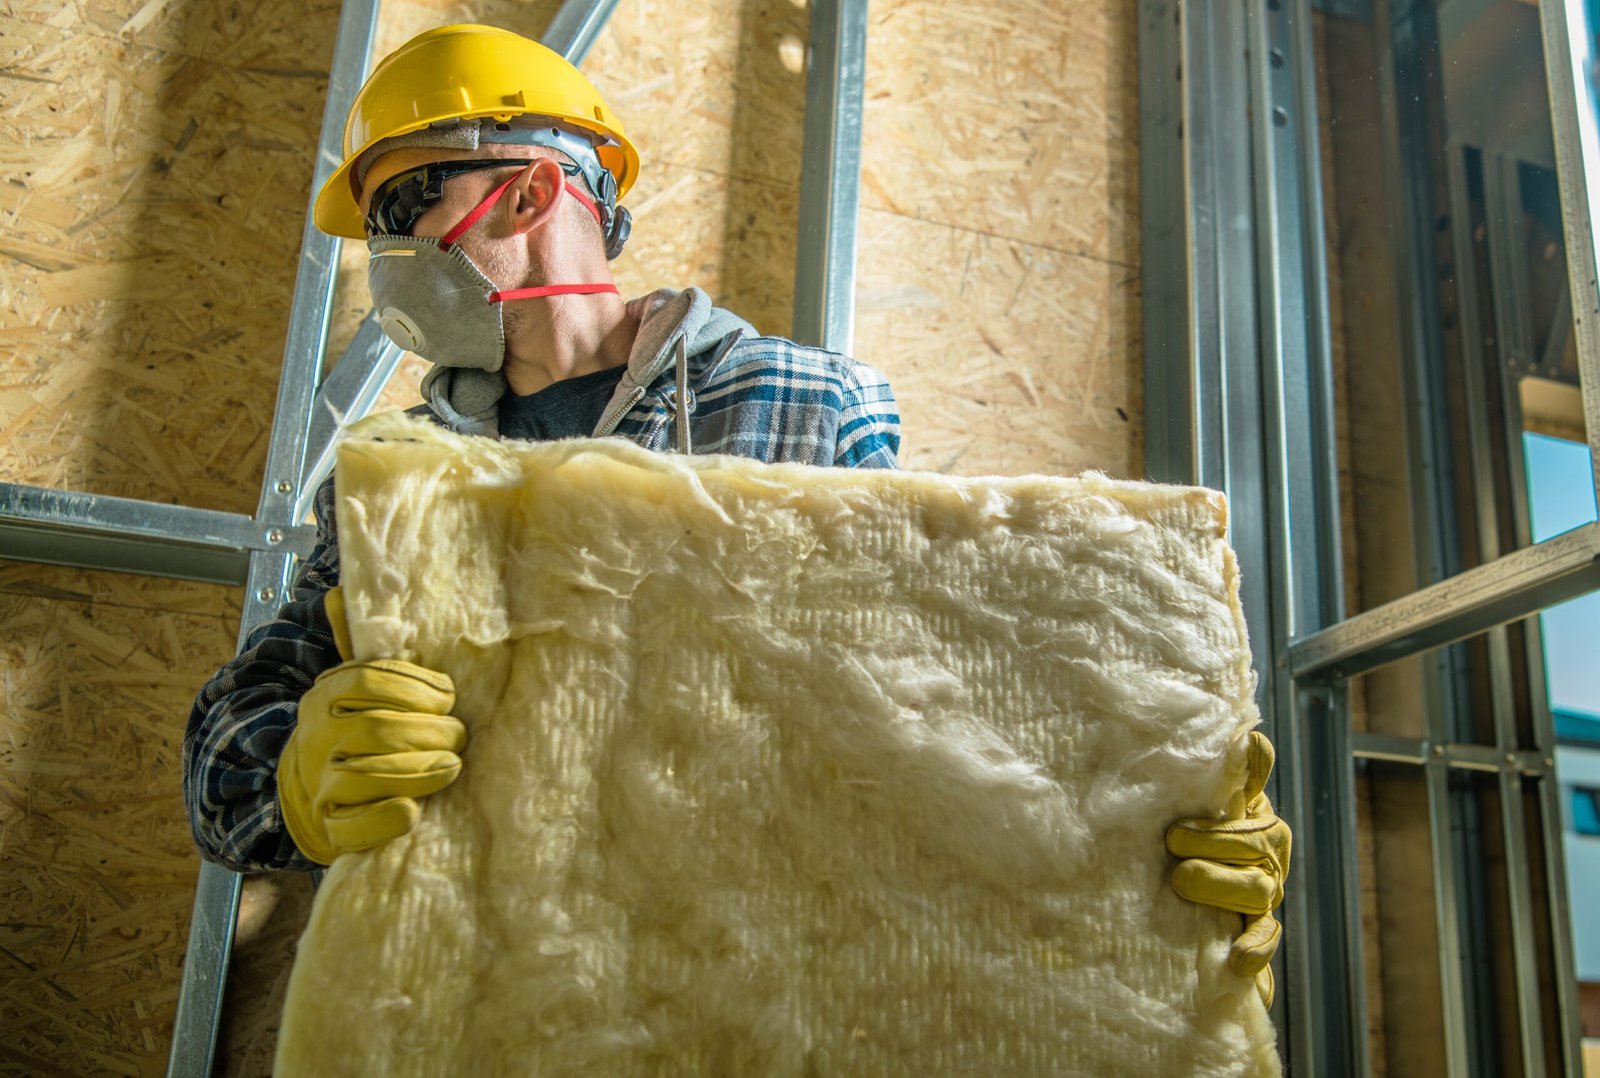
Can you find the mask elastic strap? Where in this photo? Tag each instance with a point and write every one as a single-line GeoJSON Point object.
{"type": "Point", "coordinates": [483, 207]}
{"type": "Point", "coordinates": [552, 290]}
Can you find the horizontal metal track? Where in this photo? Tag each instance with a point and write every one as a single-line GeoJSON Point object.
{"type": "Point", "coordinates": [94, 531]}
{"type": "Point", "coordinates": [1511, 587]}
{"type": "Point", "coordinates": [1414, 750]}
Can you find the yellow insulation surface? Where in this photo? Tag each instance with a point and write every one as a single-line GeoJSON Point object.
{"type": "Point", "coordinates": [784, 770]}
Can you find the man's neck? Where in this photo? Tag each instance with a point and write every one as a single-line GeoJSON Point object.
{"type": "Point", "coordinates": [562, 337]}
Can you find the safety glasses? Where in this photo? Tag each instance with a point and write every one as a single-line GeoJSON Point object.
{"type": "Point", "coordinates": [406, 196]}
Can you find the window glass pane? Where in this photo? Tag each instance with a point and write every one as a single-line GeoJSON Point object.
{"type": "Point", "coordinates": [1365, 313]}
{"type": "Point", "coordinates": [1554, 351]}
{"type": "Point", "coordinates": [1391, 700]}
{"type": "Point", "coordinates": [1482, 869]}
{"type": "Point", "coordinates": [1560, 485]}
{"type": "Point", "coordinates": [1439, 938]}
{"type": "Point", "coordinates": [1559, 499]}
{"type": "Point", "coordinates": [1585, 805]}
{"type": "Point", "coordinates": [1578, 768]}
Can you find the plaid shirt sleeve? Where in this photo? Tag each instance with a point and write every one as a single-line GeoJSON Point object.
{"type": "Point", "coordinates": [869, 422]}
{"type": "Point", "coordinates": [245, 713]}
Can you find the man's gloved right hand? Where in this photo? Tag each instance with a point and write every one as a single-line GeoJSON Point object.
{"type": "Point", "coordinates": [371, 738]}
{"type": "Point", "coordinates": [1240, 864]}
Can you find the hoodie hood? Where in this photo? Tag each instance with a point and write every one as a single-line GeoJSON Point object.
{"type": "Point", "coordinates": [468, 400]}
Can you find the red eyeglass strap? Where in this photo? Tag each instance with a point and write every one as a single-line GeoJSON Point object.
{"type": "Point", "coordinates": [472, 218]}
{"type": "Point", "coordinates": [587, 203]}
{"type": "Point", "coordinates": [494, 196]}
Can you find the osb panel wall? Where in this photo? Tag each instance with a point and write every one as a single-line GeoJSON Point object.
{"type": "Point", "coordinates": [98, 671]}
{"type": "Point", "coordinates": [156, 166]}
{"type": "Point", "coordinates": [156, 162]}
{"type": "Point", "coordinates": [999, 264]}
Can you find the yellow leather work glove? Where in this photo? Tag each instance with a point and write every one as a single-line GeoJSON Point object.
{"type": "Point", "coordinates": [371, 738]}
{"type": "Point", "coordinates": [1239, 864]}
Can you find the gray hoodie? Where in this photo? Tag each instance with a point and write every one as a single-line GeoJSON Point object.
{"type": "Point", "coordinates": [468, 400]}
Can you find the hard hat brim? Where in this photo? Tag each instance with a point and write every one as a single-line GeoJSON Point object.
{"type": "Point", "coordinates": [337, 210]}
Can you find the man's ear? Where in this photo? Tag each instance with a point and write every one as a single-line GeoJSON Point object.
{"type": "Point", "coordinates": [536, 195]}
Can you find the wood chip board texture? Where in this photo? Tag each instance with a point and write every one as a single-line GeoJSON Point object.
{"type": "Point", "coordinates": [784, 770]}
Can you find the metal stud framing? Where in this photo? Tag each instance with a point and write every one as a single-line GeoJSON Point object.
{"type": "Point", "coordinates": [1238, 396]}
{"type": "Point", "coordinates": [830, 176]}
{"type": "Point", "coordinates": [68, 528]}
{"type": "Point", "coordinates": [1569, 64]}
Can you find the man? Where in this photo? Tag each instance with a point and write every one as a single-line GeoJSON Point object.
{"type": "Point", "coordinates": [485, 173]}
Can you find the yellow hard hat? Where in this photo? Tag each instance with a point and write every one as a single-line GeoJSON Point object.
{"type": "Point", "coordinates": [467, 72]}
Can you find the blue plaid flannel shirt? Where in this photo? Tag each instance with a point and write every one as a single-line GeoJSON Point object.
{"type": "Point", "coordinates": [764, 398]}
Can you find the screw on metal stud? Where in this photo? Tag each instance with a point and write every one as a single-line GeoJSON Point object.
{"type": "Point", "coordinates": [266, 595]}
{"type": "Point", "coordinates": [275, 536]}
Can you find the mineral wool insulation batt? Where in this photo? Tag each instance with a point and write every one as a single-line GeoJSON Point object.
{"type": "Point", "coordinates": [780, 770]}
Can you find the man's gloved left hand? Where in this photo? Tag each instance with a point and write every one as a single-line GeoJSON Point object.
{"type": "Point", "coordinates": [1239, 864]}
{"type": "Point", "coordinates": [370, 739]}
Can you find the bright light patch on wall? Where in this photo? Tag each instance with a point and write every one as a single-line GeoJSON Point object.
{"type": "Point", "coordinates": [792, 54]}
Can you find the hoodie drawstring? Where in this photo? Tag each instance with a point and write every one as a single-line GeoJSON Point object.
{"type": "Point", "coordinates": [682, 442]}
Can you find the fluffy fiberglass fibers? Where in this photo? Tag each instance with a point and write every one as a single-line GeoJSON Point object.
{"type": "Point", "coordinates": [784, 770]}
